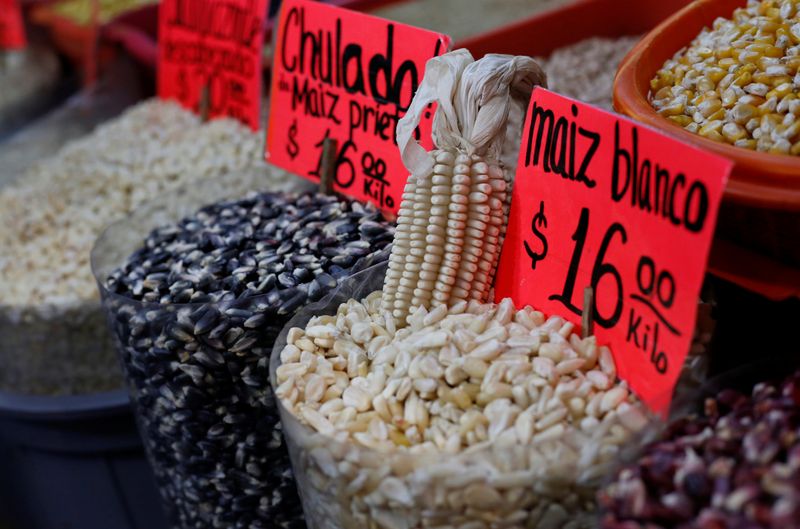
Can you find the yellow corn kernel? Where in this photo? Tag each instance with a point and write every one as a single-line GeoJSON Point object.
{"type": "Point", "coordinates": [719, 114]}
{"type": "Point", "coordinates": [762, 77]}
{"type": "Point", "coordinates": [681, 120]}
{"type": "Point", "coordinates": [733, 132]}
{"type": "Point", "coordinates": [752, 99]}
{"type": "Point", "coordinates": [743, 113]}
{"type": "Point", "coordinates": [769, 122]}
{"type": "Point", "coordinates": [710, 127]}
{"type": "Point", "coordinates": [757, 47]}
{"type": "Point", "coordinates": [780, 91]}
{"type": "Point", "coordinates": [785, 102]}
{"type": "Point", "coordinates": [795, 150]}
{"type": "Point", "coordinates": [724, 53]}
{"type": "Point", "coordinates": [743, 78]}
{"type": "Point", "coordinates": [780, 147]}
{"type": "Point", "coordinates": [729, 98]}
{"type": "Point", "coordinates": [728, 61]}
{"type": "Point", "coordinates": [746, 144]}
{"type": "Point", "coordinates": [778, 80]}
{"type": "Point", "coordinates": [709, 106]}
{"type": "Point", "coordinates": [675, 108]}
{"type": "Point", "coordinates": [773, 51]}
{"type": "Point", "coordinates": [712, 135]}
{"type": "Point", "coordinates": [715, 74]}
{"type": "Point", "coordinates": [704, 84]}
{"type": "Point", "coordinates": [791, 132]}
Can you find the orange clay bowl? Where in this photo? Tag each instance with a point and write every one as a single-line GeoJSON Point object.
{"type": "Point", "coordinates": [760, 213]}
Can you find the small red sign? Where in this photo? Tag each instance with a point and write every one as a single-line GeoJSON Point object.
{"type": "Point", "coordinates": [213, 47]}
{"type": "Point", "coordinates": [347, 76]}
{"type": "Point", "coordinates": [12, 29]}
{"type": "Point", "coordinates": [602, 201]}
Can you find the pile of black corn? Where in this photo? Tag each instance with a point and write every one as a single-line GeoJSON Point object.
{"type": "Point", "coordinates": [195, 312]}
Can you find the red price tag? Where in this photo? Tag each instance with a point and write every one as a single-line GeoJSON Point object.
{"type": "Point", "coordinates": [604, 202]}
{"type": "Point", "coordinates": [350, 77]}
{"type": "Point", "coordinates": [213, 47]}
{"type": "Point", "coordinates": [12, 30]}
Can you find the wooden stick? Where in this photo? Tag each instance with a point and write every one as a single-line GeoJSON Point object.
{"type": "Point", "coordinates": [587, 316]}
{"type": "Point", "coordinates": [205, 102]}
{"type": "Point", "coordinates": [327, 166]}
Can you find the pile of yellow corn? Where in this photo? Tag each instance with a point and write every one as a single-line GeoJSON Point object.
{"type": "Point", "coordinates": [738, 82]}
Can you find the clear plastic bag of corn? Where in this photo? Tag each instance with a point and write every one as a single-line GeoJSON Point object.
{"type": "Point", "coordinates": [455, 204]}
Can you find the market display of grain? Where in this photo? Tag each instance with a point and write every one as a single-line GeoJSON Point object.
{"type": "Point", "coordinates": [736, 465]}
{"type": "Point", "coordinates": [56, 340]}
{"type": "Point", "coordinates": [476, 415]}
{"type": "Point", "coordinates": [195, 311]}
{"type": "Point", "coordinates": [738, 82]}
{"type": "Point", "coordinates": [585, 70]}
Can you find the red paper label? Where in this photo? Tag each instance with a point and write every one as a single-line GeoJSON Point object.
{"type": "Point", "coordinates": [12, 30]}
{"type": "Point", "coordinates": [604, 202]}
{"type": "Point", "coordinates": [350, 77]}
{"type": "Point", "coordinates": [213, 45]}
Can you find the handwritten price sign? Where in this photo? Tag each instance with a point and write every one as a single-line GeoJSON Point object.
{"type": "Point", "coordinates": [350, 77]}
{"type": "Point", "coordinates": [603, 202]}
{"type": "Point", "coordinates": [12, 30]}
{"type": "Point", "coordinates": [213, 47]}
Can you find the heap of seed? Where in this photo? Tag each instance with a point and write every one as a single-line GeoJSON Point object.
{"type": "Point", "coordinates": [585, 70]}
{"type": "Point", "coordinates": [474, 416]}
{"type": "Point", "coordinates": [738, 465]}
{"type": "Point", "coordinates": [53, 213]}
{"type": "Point", "coordinates": [195, 312]}
{"type": "Point", "coordinates": [739, 81]}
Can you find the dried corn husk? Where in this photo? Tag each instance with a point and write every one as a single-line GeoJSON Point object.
{"type": "Point", "coordinates": [455, 204]}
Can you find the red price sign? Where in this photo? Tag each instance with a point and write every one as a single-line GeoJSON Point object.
{"type": "Point", "coordinates": [213, 47]}
{"type": "Point", "coordinates": [12, 30]}
{"type": "Point", "coordinates": [350, 77]}
{"type": "Point", "coordinates": [604, 202]}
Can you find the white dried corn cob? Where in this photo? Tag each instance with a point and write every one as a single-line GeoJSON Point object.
{"type": "Point", "coordinates": [449, 234]}
{"type": "Point", "coordinates": [455, 204]}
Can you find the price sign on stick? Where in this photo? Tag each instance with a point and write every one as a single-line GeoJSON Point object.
{"type": "Point", "coordinates": [602, 202]}
{"type": "Point", "coordinates": [12, 30]}
{"type": "Point", "coordinates": [210, 56]}
{"type": "Point", "coordinates": [350, 77]}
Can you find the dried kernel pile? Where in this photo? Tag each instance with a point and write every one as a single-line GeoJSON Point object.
{"type": "Point", "coordinates": [738, 82]}
{"type": "Point", "coordinates": [477, 415]}
{"type": "Point", "coordinates": [738, 466]}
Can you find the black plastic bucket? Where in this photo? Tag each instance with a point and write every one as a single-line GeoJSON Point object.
{"type": "Point", "coordinates": [74, 462]}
